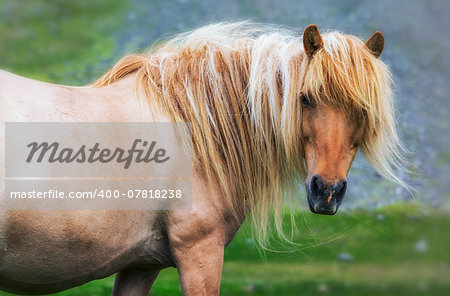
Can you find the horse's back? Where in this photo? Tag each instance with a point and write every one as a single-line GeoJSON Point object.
{"type": "Point", "coordinates": [24, 99]}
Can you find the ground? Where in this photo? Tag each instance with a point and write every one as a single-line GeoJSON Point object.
{"type": "Point", "coordinates": [399, 250]}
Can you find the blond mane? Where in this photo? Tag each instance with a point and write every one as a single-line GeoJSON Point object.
{"type": "Point", "coordinates": [239, 85]}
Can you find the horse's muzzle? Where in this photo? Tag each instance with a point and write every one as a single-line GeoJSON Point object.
{"type": "Point", "coordinates": [324, 197]}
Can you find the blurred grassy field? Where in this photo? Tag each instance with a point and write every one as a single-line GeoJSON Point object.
{"type": "Point", "coordinates": [395, 251]}
{"type": "Point", "coordinates": [67, 42]}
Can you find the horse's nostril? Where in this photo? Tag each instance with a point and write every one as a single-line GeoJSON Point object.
{"type": "Point", "coordinates": [341, 188]}
{"type": "Point", "coordinates": [315, 185]}
{"type": "Point", "coordinates": [344, 186]}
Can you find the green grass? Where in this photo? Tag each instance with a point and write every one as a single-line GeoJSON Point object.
{"type": "Point", "coordinates": [59, 41]}
{"type": "Point", "coordinates": [383, 245]}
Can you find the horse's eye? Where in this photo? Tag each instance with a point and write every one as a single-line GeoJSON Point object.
{"type": "Point", "coordinates": [305, 101]}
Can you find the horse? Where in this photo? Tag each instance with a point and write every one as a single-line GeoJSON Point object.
{"type": "Point", "coordinates": [269, 109]}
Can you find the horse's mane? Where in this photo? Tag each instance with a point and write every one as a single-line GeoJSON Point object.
{"type": "Point", "coordinates": [239, 85]}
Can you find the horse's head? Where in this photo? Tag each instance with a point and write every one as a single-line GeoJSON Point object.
{"type": "Point", "coordinates": [332, 124]}
{"type": "Point", "coordinates": [330, 144]}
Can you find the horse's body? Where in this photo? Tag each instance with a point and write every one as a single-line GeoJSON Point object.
{"type": "Point", "coordinates": [49, 251]}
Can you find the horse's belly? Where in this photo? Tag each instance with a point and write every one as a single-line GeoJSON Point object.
{"type": "Point", "coordinates": [49, 251]}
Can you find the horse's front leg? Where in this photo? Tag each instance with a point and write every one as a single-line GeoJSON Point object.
{"type": "Point", "coordinates": [200, 265]}
{"type": "Point", "coordinates": [197, 240]}
{"type": "Point", "coordinates": [134, 282]}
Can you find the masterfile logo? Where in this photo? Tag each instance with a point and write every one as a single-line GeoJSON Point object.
{"type": "Point", "coordinates": [98, 166]}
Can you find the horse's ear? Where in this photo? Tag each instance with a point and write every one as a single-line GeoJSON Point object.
{"type": "Point", "coordinates": [376, 43]}
{"type": "Point", "coordinates": [312, 41]}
